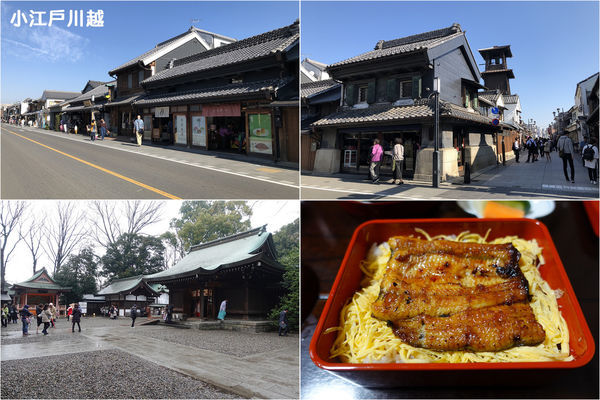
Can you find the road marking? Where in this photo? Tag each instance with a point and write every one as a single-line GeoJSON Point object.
{"type": "Point", "coordinates": [208, 167]}
{"type": "Point", "coordinates": [152, 189]}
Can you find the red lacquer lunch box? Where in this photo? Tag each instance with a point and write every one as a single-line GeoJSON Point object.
{"type": "Point", "coordinates": [347, 283]}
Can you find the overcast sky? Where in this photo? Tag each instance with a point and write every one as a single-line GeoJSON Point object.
{"type": "Point", "coordinates": [273, 213]}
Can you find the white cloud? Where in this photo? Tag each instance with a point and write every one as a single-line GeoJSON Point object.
{"type": "Point", "coordinates": [50, 43]}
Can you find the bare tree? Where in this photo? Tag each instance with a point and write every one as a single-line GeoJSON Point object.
{"type": "Point", "coordinates": [110, 223]}
{"type": "Point", "coordinates": [64, 234]}
{"type": "Point", "coordinates": [32, 235]}
{"type": "Point", "coordinates": [11, 213]}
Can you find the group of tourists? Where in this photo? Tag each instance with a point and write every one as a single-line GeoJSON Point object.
{"type": "Point", "coordinates": [9, 314]}
{"type": "Point", "coordinates": [376, 157]}
{"type": "Point", "coordinates": [93, 128]}
{"type": "Point", "coordinates": [566, 151]}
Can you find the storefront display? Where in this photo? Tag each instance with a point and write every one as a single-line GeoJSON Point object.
{"type": "Point", "coordinates": [180, 129]}
{"type": "Point", "coordinates": [198, 131]}
{"type": "Point", "coordinates": [260, 133]}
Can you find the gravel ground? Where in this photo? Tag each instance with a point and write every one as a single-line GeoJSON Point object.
{"type": "Point", "coordinates": [85, 375]}
{"type": "Point", "coordinates": [240, 344]}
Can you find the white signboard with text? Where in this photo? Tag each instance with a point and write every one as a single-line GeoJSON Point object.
{"type": "Point", "coordinates": [161, 112]}
{"type": "Point", "coordinates": [199, 131]}
{"type": "Point", "coordinates": [180, 126]}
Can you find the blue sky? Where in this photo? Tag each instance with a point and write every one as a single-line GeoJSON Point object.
{"type": "Point", "coordinates": [65, 58]}
{"type": "Point", "coordinates": [554, 44]}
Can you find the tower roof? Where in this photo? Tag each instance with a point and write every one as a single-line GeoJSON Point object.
{"type": "Point", "coordinates": [492, 51]}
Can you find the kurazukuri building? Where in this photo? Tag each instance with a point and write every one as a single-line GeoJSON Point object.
{"type": "Point", "coordinates": [387, 94]}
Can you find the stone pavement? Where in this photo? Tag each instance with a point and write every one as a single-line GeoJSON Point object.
{"type": "Point", "coordinates": [272, 374]}
{"type": "Point", "coordinates": [537, 180]}
{"type": "Point", "coordinates": [284, 173]}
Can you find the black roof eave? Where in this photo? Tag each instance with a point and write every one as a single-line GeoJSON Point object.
{"type": "Point", "coordinates": [262, 95]}
{"type": "Point", "coordinates": [394, 61]}
{"type": "Point", "coordinates": [404, 121]}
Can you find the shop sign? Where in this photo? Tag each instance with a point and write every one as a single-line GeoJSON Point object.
{"type": "Point", "coordinates": [260, 133]}
{"type": "Point", "coordinates": [180, 123]}
{"type": "Point", "coordinates": [222, 110]}
{"type": "Point", "coordinates": [198, 131]}
{"type": "Point", "coordinates": [161, 112]}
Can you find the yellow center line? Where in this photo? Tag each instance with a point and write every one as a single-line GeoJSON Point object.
{"type": "Point", "coordinates": [153, 189]}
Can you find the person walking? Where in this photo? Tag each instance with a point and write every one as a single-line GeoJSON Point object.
{"type": "Point", "coordinates": [38, 315]}
{"type": "Point", "coordinates": [516, 148]}
{"type": "Point", "coordinates": [566, 151]}
{"type": "Point", "coordinates": [376, 155]}
{"type": "Point", "coordinates": [52, 313]}
{"type": "Point", "coordinates": [102, 128]}
{"type": "Point", "coordinates": [138, 128]}
{"type": "Point", "coordinates": [222, 310]}
{"type": "Point", "coordinates": [170, 314]}
{"type": "Point", "coordinates": [5, 315]}
{"type": "Point", "coordinates": [14, 313]}
{"type": "Point", "coordinates": [133, 315]}
{"type": "Point", "coordinates": [547, 147]}
{"type": "Point", "coordinates": [283, 323]}
{"type": "Point", "coordinates": [530, 144]}
{"type": "Point", "coordinates": [76, 318]}
{"type": "Point", "coordinates": [46, 318]}
{"type": "Point", "coordinates": [25, 319]}
{"type": "Point", "coordinates": [398, 159]}
{"type": "Point", "coordinates": [589, 153]}
{"type": "Point", "coordinates": [69, 312]}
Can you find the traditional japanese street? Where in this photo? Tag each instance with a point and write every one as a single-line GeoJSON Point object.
{"type": "Point", "coordinates": [168, 362]}
{"type": "Point", "coordinates": [537, 180]}
{"type": "Point", "coordinates": [42, 164]}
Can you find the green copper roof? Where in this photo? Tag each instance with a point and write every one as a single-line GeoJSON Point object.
{"type": "Point", "coordinates": [124, 286]}
{"type": "Point", "coordinates": [210, 256]}
{"type": "Point", "coordinates": [47, 284]}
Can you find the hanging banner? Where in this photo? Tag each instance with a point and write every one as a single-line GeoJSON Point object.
{"type": "Point", "coordinates": [180, 127]}
{"type": "Point", "coordinates": [161, 112]}
{"type": "Point", "coordinates": [222, 110]}
{"type": "Point", "coordinates": [199, 131]}
{"type": "Point", "coordinates": [260, 133]}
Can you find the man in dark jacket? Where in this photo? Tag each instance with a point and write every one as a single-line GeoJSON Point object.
{"type": "Point", "coordinates": [283, 323]}
{"type": "Point", "coordinates": [133, 315]}
{"type": "Point", "coordinates": [25, 314]}
{"type": "Point", "coordinates": [76, 317]}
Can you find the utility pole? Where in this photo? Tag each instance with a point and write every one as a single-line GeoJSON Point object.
{"type": "Point", "coordinates": [436, 136]}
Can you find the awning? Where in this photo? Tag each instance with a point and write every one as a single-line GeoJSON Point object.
{"type": "Point", "coordinates": [5, 297]}
{"type": "Point", "coordinates": [82, 108]}
{"type": "Point", "coordinates": [123, 101]}
{"type": "Point", "coordinates": [285, 103]}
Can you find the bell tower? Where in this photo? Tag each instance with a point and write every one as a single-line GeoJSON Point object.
{"type": "Point", "coordinates": [497, 74]}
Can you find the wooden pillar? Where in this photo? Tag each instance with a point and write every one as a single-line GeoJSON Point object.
{"type": "Point", "coordinates": [246, 300]}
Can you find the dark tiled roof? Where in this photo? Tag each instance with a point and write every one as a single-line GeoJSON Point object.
{"type": "Point", "coordinates": [98, 91]}
{"type": "Point", "coordinates": [127, 285]}
{"type": "Point", "coordinates": [241, 51]}
{"type": "Point", "coordinates": [489, 95]}
{"type": "Point", "coordinates": [238, 90]}
{"type": "Point", "coordinates": [317, 64]}
{"type": "Point", "coordinates": [124, 100]}
{"type": "Point", "coordinates": [421, 41]}
{"type": "Point", "coordinates": [506, 49]}
{"type": "Point", "coordinates": [59, 95]}
{"type": "Point", "coordinates": [313, 88]}
{"type": "Point", "coordinates": [94, 84]}
{"type": "Point", "coordinates": [161, 46]}
{"type": "Point", "coordinates": [511, 98]}
{"type": "Point", "coordinates": [387, 113]}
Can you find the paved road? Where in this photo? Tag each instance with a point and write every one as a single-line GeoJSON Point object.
{"type": "Point", "coordinates": [39, 164]}
{"type": "Point", "coordinates": [537, 180]}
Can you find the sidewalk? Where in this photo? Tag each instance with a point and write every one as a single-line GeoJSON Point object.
{"type": "Point", "coordinates": [514, 181]}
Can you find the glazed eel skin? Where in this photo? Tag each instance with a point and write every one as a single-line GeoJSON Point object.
{"type": "Point", "coordinates": [446, 290]}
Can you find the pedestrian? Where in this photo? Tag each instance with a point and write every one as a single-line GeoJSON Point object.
{"type": "Point", "coordinates": [170, 314]}
{"type": "Point", "coordinates": [138, 128]}
{"type": "Point", "coordinates": [283, 323]}
{"type": "Point", "coordinates": [69, 311]}
{"type": "Point", "coordinates": [374, 167]}
{"type": "Point", "coordinates": [589, 153]}
{"type": "Point", "coordinates": [25, 318]}
{"type": "Point", "coordinates": [38, 315]}
{"type": "Point", "coordinates": [516, 148]}
{"type": "Point", "coordinates": [547, 146]}
{"type": "Point", "coordinates": [102, 129]}
{"type": "Point", "coordinates": [14, 313]}
{"type": "Point", "coordinates": [397, 160]}
{"type": "Point", "coordinates": [222, 310]}
{"type": "Point", "coordinates": [53, 313]}
{"type": "Point", "coordinates": [133, 314]}
{"type": "Point", "coordinates": [541, 147]}
{"type": "Point", "coordinates": [114, 312]}
{"type": "Point", "coordinates": [529, 144]}
{"type": "Point", "coordinates": [46, 318]}
{"type": "Point", "coordinates": [76, 318]}
{"type": "Point", "coordinates": [5, 315]}
{"type": "Point", "coordinates": [565, 151]}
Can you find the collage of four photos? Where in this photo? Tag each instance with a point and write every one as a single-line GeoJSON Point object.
{"type": "Point", "coordinates": [299, 199]}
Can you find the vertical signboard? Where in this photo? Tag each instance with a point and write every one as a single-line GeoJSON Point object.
{"type": "Point", "coordinates": [147, 127]}
{"type": "Point", "coordinates": [260, 133]}
{"type": "Point", "coordinates": [180, 126]}
{"type": "Point", "coordinates": [198, 131]}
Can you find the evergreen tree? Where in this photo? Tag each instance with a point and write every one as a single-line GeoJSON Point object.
{"type": "Point", "coordinates": [133, 254]}
{"type": "Point", "coordinates": [80, 273]}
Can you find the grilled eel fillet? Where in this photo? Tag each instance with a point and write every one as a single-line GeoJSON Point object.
{"type": "Point", "coordinates": [442, 277]}
{"type": "Point", "coordinates": [451, 288]}
{"type": "Point", "coordinates": [488, 329]}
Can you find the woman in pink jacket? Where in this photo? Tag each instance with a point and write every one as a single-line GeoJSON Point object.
{"type": "Point", "coordinates": [376, 155]}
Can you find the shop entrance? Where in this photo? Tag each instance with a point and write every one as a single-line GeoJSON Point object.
{"type": "Point", "coordinates": [162, 129]}
{"type": "Point", "coordinates": [356, 148]}
{"type": "Point", "coordinates": [226, 133]}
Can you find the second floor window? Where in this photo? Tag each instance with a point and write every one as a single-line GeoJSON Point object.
{"type": "Point", "coordinates": [362, 94]}
{"type": "Point", "coordinates": [129, 81]}
{"type": "Point", "coordinates": [140, 77]}
{"type": "Point", "coordinates": [405, 89]}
